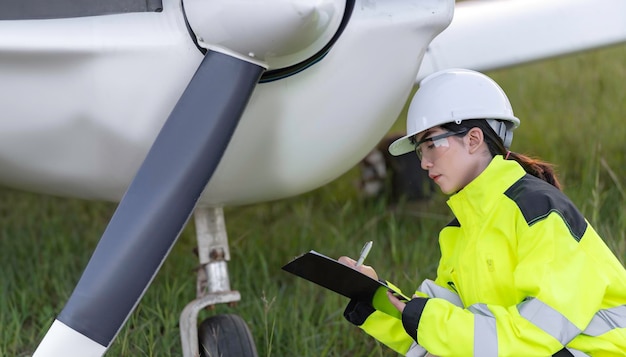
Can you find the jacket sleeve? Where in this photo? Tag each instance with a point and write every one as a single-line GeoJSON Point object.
{"type": "Point", "coordinates": [384, 328]}
{"type": "Point", "coordinates": [552, 267]}
{"type": "Point", "coordinates": [380, 320]}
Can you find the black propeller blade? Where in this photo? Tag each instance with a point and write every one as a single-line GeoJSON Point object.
{"type": "Point", "coordinates": [161, 197]}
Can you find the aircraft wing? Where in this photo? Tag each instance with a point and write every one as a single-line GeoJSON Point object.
{"type": "Point", "coordinates": [486, 34]}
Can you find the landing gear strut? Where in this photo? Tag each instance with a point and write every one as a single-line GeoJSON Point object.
{"type": "Point", "coordinates": [221, 335]}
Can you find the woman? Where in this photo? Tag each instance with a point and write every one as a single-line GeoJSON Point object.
{"type": "Point", "coordinates": [522, 273]}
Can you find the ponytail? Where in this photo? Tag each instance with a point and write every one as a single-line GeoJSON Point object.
{"type": "Point", "coordinates": [537, 168]}
{"type": "Point", "coordinates": [533, 166]}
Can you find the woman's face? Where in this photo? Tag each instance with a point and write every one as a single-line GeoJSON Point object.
{"type": "Point", "coordinates": [451, 160]}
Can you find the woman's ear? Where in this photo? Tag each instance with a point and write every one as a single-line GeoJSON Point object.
{"type": "Point", "coordinates": [475, 138]}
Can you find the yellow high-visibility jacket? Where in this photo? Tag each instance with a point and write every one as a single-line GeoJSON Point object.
{"type": "Point", "coordinates": [522, 273]}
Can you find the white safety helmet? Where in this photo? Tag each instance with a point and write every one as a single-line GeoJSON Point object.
{"type": "Point", "coordinates": [454, 95]}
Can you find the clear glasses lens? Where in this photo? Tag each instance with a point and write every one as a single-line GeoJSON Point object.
{"type": "Point", "coordinates": [431, 148]}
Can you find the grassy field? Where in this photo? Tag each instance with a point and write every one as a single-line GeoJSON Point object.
{"type": "Point", "coordinates": [572, 111]}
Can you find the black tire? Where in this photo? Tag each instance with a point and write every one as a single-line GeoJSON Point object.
{"type": "Point", "coordinates": [225, 336]}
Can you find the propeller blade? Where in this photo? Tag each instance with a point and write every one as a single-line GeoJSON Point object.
{"type": "Point", "coordinates": [155, 207]}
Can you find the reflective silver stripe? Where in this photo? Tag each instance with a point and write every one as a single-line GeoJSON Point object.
{"type": "Point", "coordinates": [577, 353]}
{"type": "Point", "coordinates": [485, 334]}
{"type": "Point", "coordinates": [549, 320]}
{"type": "Point", "coordinates": [431, 289]}
{"type": "Point", "coordinates": [416, 351]}
{"type": "Point", "coordinates": [606, 320]}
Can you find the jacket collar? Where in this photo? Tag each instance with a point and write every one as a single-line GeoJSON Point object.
{"type": "Point", "coordinates": [478, 198]}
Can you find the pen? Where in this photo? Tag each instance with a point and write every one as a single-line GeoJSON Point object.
{"type": "Point", "coordinates": [364, 252]}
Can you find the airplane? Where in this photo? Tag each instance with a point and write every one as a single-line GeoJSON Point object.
{"type": "Point", "coordinates": [176, 109]}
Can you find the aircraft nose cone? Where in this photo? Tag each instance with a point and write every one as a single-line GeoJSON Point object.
{"type": "Point", "coordinates": [279, 33]}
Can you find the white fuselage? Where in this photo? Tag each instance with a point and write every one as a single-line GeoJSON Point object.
{"type": "Point", "coordinates": [83, 99]}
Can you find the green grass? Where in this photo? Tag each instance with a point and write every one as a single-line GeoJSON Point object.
{"type": "Point", "coordinates": [572, 111]}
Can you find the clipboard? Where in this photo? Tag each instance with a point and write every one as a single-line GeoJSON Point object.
{"type": "Point", "coordinates": [338, 277]}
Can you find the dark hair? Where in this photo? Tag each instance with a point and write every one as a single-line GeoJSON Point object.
{"type": "Point", "coordinates": [533, 166]}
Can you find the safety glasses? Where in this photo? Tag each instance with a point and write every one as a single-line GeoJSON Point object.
{"type": "Point", "coordinates": [432, 147]}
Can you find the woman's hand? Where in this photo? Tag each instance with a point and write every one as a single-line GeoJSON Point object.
{"type": "Point", "coordinates": [397, 303]}
{"type": "Point", "coordinates": [365, 269]}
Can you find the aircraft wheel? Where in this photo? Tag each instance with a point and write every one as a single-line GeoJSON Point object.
{"type": "Point", "coordinates": [225, 336]}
